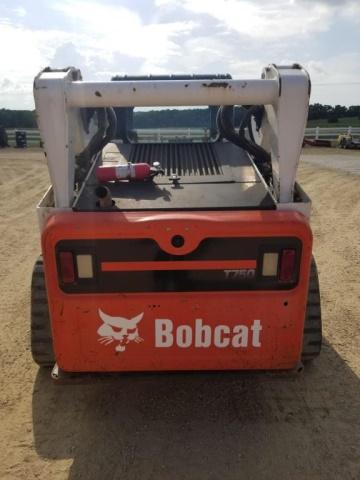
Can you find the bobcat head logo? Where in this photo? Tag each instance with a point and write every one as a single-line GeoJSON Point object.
{"type": "Point", "coordinates": [119, 329]}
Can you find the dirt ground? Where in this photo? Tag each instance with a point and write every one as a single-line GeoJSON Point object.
{"type": "Point", "coordinates": [183, 426]}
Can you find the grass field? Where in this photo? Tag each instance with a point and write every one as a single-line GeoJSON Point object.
{"type": "Point", "coordinates": [342, 122]}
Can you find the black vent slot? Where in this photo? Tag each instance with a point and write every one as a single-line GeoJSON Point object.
{"type": "Point", "coordinates": [181, 159]}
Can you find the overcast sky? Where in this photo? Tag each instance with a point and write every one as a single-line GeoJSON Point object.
{"type": "Point", "coordinates": [106, 37]}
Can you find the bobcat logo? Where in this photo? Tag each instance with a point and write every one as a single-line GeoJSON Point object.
{"type": "Point", "coordinates": [119, 329]}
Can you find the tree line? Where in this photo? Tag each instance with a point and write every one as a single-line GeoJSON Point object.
{"type": "Point", "coordinates": [332, 114]}
{"type": "Point", "coordinates": [17, 118]}
{"type": "Point", "coordinates": [194, 117]}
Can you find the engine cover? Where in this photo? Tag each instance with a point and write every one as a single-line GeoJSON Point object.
{"type": "Point", "coordinates": [176, 291]}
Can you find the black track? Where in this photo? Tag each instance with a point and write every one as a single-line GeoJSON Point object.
{"type": "Point", "coordinates": [312, 328]}
{"type": "Point", "coordinates": [41, 337]}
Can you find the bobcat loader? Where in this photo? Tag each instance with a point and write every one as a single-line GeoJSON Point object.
{"type": "Point", "coordinates": [174, 255]}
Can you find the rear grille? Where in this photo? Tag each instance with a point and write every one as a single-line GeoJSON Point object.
{"type": "Point", "coordinates": [178, 158]}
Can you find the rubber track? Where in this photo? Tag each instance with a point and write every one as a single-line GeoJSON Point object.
{"type": "Point", "coordinates": [312, 340]}
{"type": "Point", "coordinates": [41, 337]}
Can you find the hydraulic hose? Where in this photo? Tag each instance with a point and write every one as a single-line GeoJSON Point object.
{"type": "Point", "coordinates": [106, 119]}
{"type": "Point", "coordinates": [225, 124]}
{"type": "Point", "coordinates": [261, 157]}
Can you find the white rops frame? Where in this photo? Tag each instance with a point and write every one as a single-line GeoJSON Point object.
{"type": "Point", "coordinates": [283, 90]}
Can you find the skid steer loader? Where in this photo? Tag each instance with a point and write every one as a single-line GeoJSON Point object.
{"type": "Point", "coordinates": [174, 255]}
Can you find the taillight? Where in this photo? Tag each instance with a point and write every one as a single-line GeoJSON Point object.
{"type": "Point", "coordinates": [67, 269]}
{"type": "Point", "coordinates": [84, 265]}
{"type": "Point", "coordinates": [270, 264]}
{"type": "Point", "coordinates": [287, 265]}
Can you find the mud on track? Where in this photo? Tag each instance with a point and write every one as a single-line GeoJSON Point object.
{"type": "Point", "coordinates": [183, 426]}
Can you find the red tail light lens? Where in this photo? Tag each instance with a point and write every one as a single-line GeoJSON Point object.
{"type": "Point", "coordinates": [287, 265]}
{"type": "Point", "coordinates": [67, 269]}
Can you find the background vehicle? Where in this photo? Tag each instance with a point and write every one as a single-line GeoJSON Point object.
{"type": "Point", "coordinates": [348, 141]}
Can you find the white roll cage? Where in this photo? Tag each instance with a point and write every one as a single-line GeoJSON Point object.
{"type": "Point", "coordinates": [283, 90]}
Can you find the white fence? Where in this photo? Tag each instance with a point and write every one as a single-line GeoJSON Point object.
{"type": "Point", "coordinates": [331, 132]}
{"type": "Point", "coordinates": [32, 136]}
{"type": "Point", "coordinates": [199, 134]}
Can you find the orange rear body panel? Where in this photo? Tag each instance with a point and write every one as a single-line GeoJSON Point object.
{"type": "Point", "coordinates": [170, 330]}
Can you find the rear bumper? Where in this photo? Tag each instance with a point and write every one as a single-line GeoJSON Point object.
{"type": "Point", "coordinates": [166, 330]}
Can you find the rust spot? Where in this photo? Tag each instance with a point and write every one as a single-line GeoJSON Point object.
{"type": "Point", "coordinates": [216, 85]}
{"type": "Point", "coordinates": [97, 93]}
